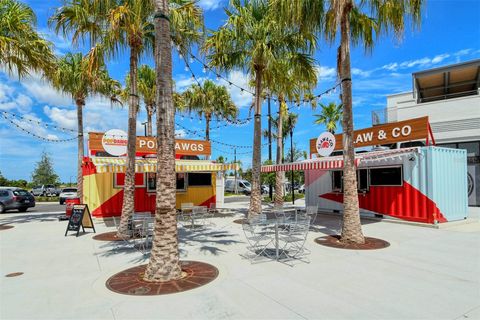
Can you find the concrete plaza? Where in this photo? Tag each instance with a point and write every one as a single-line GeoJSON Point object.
{"type": "Point", "coordinates": [426, 273]}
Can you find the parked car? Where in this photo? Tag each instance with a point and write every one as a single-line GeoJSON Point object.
{"type": "Point", "coordinates": [67, 193]}
{"type": "Point", "coordinates": [15, 198]}
{"type": "Point", "coordinates": [264, 188]}
{"type": "Point", "coordinates": [301, 189]}
{"type": "Point", "coordinates": [45, 190]}
{"type": "Point", "coordinates": [243, 186]}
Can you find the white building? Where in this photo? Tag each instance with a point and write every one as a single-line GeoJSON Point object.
{"type": "Point", "coordinates": [449, 96]}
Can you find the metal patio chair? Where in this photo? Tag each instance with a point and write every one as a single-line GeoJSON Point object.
{"type": "Point", "coordinates": [294, 239]}
{"type": "Point", "coordinates": [258, 238]}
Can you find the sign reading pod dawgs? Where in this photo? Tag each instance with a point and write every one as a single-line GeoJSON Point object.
{"type": "Point", "coordinates": [409, 130]}
{"type": "Point", "coordinates": [148, 145]}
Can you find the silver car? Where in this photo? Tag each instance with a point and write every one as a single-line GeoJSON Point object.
{"type": "Point", "coordinates": [15, 198]}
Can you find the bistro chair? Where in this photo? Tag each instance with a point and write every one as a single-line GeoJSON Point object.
{"type": "Point", "coordinates": [146, 234]}
{"type": "Point", "coordinates": [294, 239]}
{"type": "Point", "coordinates": [258, 239]}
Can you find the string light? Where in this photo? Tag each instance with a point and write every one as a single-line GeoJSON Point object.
{"type": "Point", "coordinates": [34, 134]}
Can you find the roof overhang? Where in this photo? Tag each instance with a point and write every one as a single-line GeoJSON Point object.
{"type": "Point", "coordinates": [451, 81]}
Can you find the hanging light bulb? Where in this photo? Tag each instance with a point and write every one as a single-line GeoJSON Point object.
{"type": "Point", "coordinates": [218, 77]}
{"type": "Point", "coordinates": [204, 70]}
{"type": "Point", "coordinates": [192, 60]}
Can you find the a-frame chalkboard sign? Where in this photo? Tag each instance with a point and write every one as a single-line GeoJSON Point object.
{"type": "Point", "coordinates": [80, 218]}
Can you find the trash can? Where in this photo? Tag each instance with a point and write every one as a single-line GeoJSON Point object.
{"type": "Point", "coordinates": [69, 205]}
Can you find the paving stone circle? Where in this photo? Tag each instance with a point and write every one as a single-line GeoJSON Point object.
{"type": "Point", "coordinates": [14, 274]}
{"type": "Point", "coordinates": [109, 236]}
{"type": "Point", "coordinates": [240, 221]}
{"type": "Point", "coordinates": [334, 242]}
{"type": "Point", "coordinates": [130, 281]}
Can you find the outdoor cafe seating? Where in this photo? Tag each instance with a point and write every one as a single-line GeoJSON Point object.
{"type": "Point", "coordinates": [281, 237]}
{"type": "Point", "coordinates": [191, 216]}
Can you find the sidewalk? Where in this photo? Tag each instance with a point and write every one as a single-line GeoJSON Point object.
{"type": "Point", "coordinates": [424, 274]}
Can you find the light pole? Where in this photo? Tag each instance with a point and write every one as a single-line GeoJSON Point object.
{"type": "Point", "coordinates": [145, 127]}
{"type": "Point", "coordinates": [291, 159]}
{"type": "Point", "coordinates": [270, 191]}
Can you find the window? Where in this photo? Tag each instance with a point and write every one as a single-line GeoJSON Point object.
{"type": "Point", "coordinates": [386, 176]}
{"type": "Point", "coordinates": [362, 179]}
{"type": "Point", "coordinates": [3, 193]}
{"type": "Point", "coordinates": [337, 179]}
{"type": "Point", "coordinates": [473, 148]}
{"type": "Point", "coordinates": [181, 185]}
{"type": "Point", "coordinates": [69, 190]}
{"type": "Point", "coordinates": [199, 179]}
{"type": "Point", "coordinates": [20, 192]}
{"type": "Point", "coordinates": [152, 181]}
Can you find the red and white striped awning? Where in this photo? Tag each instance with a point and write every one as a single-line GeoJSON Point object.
{"type": "Point", "coordinates": [333, 163]}
{"type": "Point", "coordinates": [328, 163]}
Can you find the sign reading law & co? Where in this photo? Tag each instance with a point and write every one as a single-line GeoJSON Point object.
{"type": "Point", "coordinates": [148, 145]}
{"type": "Point", "coordinates": [413, 129]}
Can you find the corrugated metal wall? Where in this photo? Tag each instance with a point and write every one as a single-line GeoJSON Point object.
{"type": "Point", "coordinates": [448, 170]}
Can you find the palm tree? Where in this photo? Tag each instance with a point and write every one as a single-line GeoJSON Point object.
{"type": "Point", "coordinates": [71, 76]}
{"type": "Point", "coordinates": [22, 49]}
{"type": "Point", "coordinates": [164, 259]}
{"type": "Point", "coordinates": [116, 24]}
{"type": "Point", "coordinates": [146, 89]}
{"type": "Point", "coordinates": [292, 77]}
{"type": "Point", "coordinates": [355, 22]}
{"type": "Point", "coordinates": [331, 114]}
{"type": "Point", "coordinates": [252, 39]}
{"type": "Point", "coordinates": [210, 101]}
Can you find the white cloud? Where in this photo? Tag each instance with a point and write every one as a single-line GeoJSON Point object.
{"type": "Point", "coordinates": [424, 62]}
{"type": "Point", "coordinates": [239, 97]}
{"type": "Point", "coordinates": [210, 4]}
{"type": "Point", "coordinates": [183, 82]}
{"type": "Point", "coordinates": [326, 73]}
{"type": "Point", "coordinates": [43, 92]}
{"type": "Point", "coordinates": [66, 118]}
{"type": "Point", "coordinates": [462, 52]}
{"type": "Point", "coordinates": [439, 58]}
{"type": "Point", "coordinates": [361, 73]}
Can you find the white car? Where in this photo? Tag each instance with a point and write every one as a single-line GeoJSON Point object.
{"type": "Point", "coordinates": [301, 189]}
{"type": "Point", "coordinates": [67, 193]}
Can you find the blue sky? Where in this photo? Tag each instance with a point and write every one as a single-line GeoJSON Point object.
{"type": "Point", "coordinates": [450, 33]}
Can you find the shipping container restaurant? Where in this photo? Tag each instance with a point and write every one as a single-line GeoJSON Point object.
{"type": "Point", "coordinates": [198, 181]}
{"type": "Point", "coordinates": [423, 184]}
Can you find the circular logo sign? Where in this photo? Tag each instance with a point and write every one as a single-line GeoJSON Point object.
{"type": "Point", "coordinates": [115, 142]}
{"type": "Point", "coordinates": [325, 144]}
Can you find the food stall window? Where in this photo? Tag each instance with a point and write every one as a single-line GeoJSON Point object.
{"type": "Point", "coordinates": [362, 179]}
{"type": "Point", "coordinates": [386, 176]}
{"type": "Point", "coordinates": [152, 182]}
{"type": "Point", "coordinates": [337, 181]}
{"type": "Point", "coordinates": [199, 179]}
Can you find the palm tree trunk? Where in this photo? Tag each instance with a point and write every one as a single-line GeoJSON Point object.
{"type": "Point", "coordinates": [149, 120]}
{"type": "Point", "coordinates": [279, 175]}
{"type": "Point", "coordinates": [80, 103]}
{"type": "Point", "coordinates": [207, 127]}
{"type": "Point", "coordinates": [128, 205]}
{"type": "Point", "coordinates": [164, 259]}
{"type": "Point", "coordinates": [256, 197]}
{"type": "Point", "coordinates": [352, 228]}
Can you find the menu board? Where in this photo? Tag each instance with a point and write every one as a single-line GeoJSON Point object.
{"type": "Point", "coordinates": [80, 218]}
